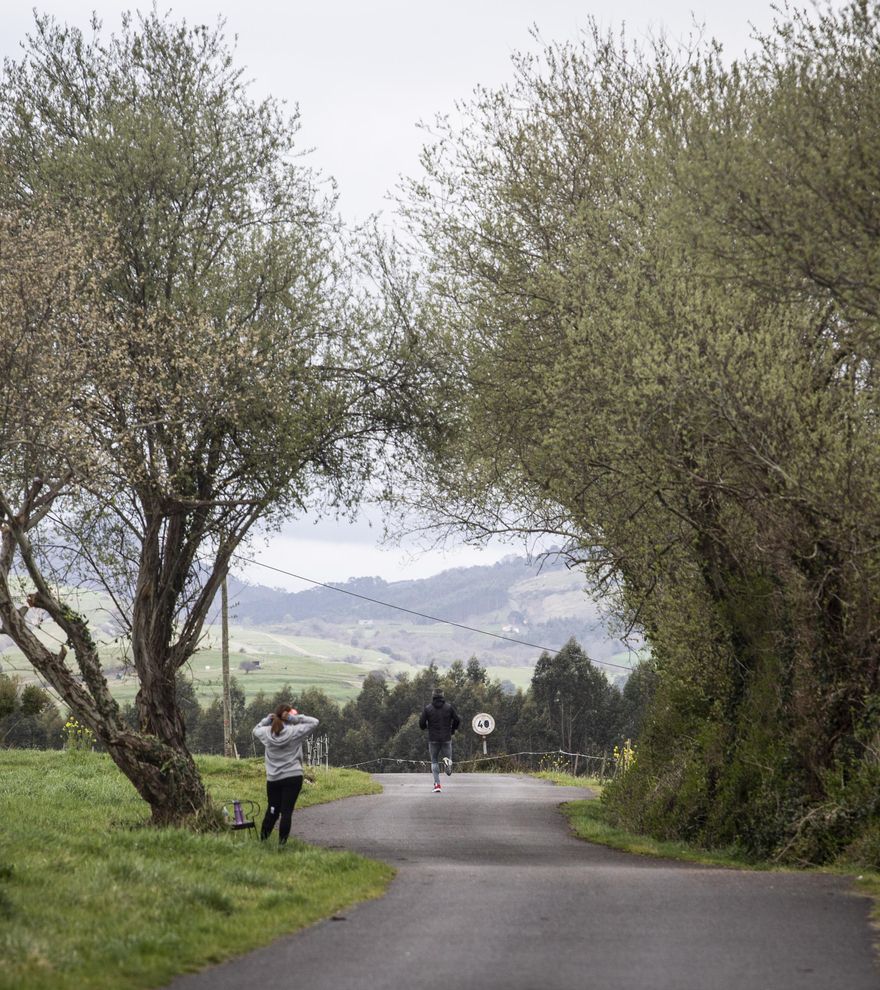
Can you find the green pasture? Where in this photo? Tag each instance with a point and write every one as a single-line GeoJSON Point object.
{"type": "Point", "coordinates": [93, 898]}
{"type": "Point", "coordinates": [520, 677]}
{"type": "Point", "coordinates": [630, 658]}
{"type": "Point", "coordinates": [341, 681]}
{"type": "Point", "coordinates": [285, 658]}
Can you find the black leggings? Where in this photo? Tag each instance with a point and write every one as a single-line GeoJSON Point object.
{"type": "Point", "coordinates": [281, 796]}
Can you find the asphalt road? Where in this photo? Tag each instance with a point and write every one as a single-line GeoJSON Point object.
{"type": "Point", "coordinates": [493, 892]}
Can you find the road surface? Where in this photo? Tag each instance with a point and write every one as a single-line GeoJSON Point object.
{"type": "Point", "coordinates": [493, 893]}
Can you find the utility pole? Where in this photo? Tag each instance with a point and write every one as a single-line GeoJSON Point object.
{"type": "Point", "coordinates": [228, 749]}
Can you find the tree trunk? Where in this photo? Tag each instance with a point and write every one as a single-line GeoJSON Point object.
{"type": "Point", "coordinates": [165, 777]}
{"type": "Point", "coordinates": [158, 764]}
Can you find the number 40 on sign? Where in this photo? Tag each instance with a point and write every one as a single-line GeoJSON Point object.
{"type": "Point", "coordinates": [483, 724]}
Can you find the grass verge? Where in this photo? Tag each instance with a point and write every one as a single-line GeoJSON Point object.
{"type": "Point", "coordinates": [589, 820]}
{"type": "Point", "coordinates": [568, 780]}
{"type": "Point", "coordinates": [93, 898]}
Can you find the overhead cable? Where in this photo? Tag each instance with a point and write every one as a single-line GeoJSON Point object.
{"type": "Point", "coordinates": [421, 615]}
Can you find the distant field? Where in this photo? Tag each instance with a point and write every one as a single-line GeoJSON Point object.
{"type": "Point", "coordinates": [300, 661]}
{"type": "Point", "coordinates": [520, 677]}
{"type": "Point", "coordinates": [334, 649]}
{"type": "Point", "coordinates": [630, 658]}
{"type": "Point", "coordinates": [341, 681]}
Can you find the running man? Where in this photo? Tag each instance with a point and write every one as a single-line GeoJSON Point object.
{"type": "Point", "coordinates": [441, 720]}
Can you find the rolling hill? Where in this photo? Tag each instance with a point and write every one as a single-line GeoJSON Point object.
{"type": "Point", "coordinates": [417, 621]}
{"type": "Point", "coordinates": [333, 636]}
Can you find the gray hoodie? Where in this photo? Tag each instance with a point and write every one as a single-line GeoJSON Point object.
{"type": "Point", "coordinates": [284, 751]}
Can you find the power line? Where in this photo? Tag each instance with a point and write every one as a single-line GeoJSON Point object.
{"type": "Point", "coordinates": [421, 615]}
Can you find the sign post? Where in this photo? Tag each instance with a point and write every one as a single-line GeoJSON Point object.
{"type": "Point", "coordinates": [483, 724]}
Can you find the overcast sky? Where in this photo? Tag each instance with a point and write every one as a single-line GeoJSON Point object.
{"type": "Point", "coordinates": [364, 73]}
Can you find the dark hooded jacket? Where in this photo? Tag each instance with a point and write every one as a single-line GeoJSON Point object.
{"type": "Point", "coordinates": [440, 719]}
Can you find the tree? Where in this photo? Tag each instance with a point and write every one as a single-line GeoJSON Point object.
{"type": "Point", "coordinates": [208, 735]}
{"type": "Point", "coordinates": [637, 694]}
{"type": "Point", "coordinates": [652, 275]}
{"type": "Point", "coordinates": [476, 672]}
{"type": "Point", "coordinates": [28, 716]}
{"type": "Point", "coordinates": [256, 710]}
{"type": "Point", "coordinates": [408, 743]}
{"type": "Point", "coordinates": [315, 702]}
{"type": "Point", "coordinates": [220, 372]}
{"type": "Point", "coordinates": [188, 702]}
{"type": "Point", "coordinates": [582, 706]}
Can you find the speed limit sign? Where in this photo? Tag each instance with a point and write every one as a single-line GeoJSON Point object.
{"type": "Point", "coordinates": [483, 724]}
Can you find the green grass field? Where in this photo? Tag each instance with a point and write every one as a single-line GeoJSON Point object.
{"type": "Point", "coordinates": [341, 681]}
{"type": "Point", "coordinates": [92, 898]}
{"type": "Point", "coordinates": [337, 668]}
{"type": "Point", "coordinates": [332, 656]}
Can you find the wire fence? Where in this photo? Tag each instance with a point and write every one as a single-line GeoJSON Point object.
{"type": "Point", "coordinates": [602, 767]}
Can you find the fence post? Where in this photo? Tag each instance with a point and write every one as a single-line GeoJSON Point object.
{"type": "Point", "coordinates": [602, 771]}
{"type": "Point", "coordinates": [318, 751]}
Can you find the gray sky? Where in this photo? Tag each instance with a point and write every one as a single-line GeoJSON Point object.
{"type": "Point", "coordinates": [363, 73]}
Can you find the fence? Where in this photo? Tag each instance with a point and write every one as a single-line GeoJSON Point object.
{"type": "Point", "coordinates": [318, 751]}
{"type": "Point", "coordinates": [602, 767]}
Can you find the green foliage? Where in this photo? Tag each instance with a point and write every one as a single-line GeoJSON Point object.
{"type": "Point", "coordinates": [476, 674]}
{"type": "Point", "coordinates": [230, 369]}
{"type": "Point", "coordinates": [583, 708]}
{"type": "Point", "coordinates": [638, 691]}
{"type": "Point", "coordinates": [654, 276]}
{"type": "Point", "coordinates": [119, 904]}
{"type": "Point", "coordinates": [28, 716]}
{"type": "Point", "coordinates": [8, 696]}
{"type": "Point", "coordinates": [33, 700]}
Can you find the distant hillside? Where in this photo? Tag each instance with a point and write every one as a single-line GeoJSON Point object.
{"type": "Point", "coordinates": [456, 594]}
{"type": "Point", "coordinates": [324, 638]}
{"type": "Point", "coordinates": [543, 605]}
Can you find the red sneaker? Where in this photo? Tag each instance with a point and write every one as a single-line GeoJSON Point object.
{"type": "Point", "coordinates": [437, 788]}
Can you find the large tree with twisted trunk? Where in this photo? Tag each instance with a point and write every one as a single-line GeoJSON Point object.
{"type": "Point", "coordinates": [196, 363]}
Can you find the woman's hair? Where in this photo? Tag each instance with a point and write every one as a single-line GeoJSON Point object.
{"type": "Point", "coordinates": [278, 718]}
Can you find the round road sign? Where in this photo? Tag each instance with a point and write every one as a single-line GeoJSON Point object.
{"type": "Point", "coordinates": [483, 724]}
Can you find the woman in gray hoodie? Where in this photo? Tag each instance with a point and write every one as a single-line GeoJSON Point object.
{"type": "Point", "coordinates": [282, 734]}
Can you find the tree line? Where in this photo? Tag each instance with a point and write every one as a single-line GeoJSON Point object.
{"type": "Point", "coordinates": [570, 705]}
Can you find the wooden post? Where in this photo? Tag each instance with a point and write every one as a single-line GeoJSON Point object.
{"type": "Point", "coordinates": [224, 648]}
